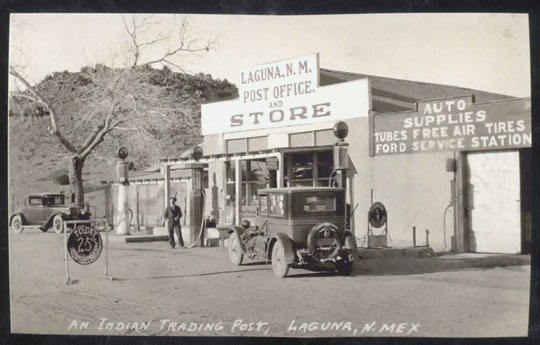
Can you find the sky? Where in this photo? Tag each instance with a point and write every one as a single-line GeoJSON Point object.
{"type": "Point", "coordinates": [488, 52]}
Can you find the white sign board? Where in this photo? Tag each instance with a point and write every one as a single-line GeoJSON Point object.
{"type": "Point", "coordinates": [329, 103]}
{"type": "Point", "coordinates": [281, 80]}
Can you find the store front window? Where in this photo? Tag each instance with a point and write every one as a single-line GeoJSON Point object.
{"type": "Point", "coordinates": [254, 177]}
{"type": "Point", "coordinates": [308, 169]}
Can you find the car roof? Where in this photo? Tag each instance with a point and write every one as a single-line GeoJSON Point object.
{"type": "Point", "coordinates": [299, 189]}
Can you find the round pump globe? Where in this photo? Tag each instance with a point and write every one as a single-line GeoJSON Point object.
{"type": "Point", "coordinates": [197, 153]}
{"type": "Point", "coordinates": [341, 130]}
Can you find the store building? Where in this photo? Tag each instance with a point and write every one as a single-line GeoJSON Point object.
{"type": "Point", "coordinates": [446, 159]}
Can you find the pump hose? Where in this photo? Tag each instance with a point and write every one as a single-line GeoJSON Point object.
{"type": "Point", "coordinates": [334, 171]}
{"type": "Point", "coordinates": [202, 222]}
{"type": "Point", "coordinates": [444, 223]}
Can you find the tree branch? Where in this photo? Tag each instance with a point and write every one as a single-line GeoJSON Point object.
{"type": "Point", "coordinates": [52, 113]}
{"type": "Point", "coordinates": [90, 138]}
{"type": "Point", "coordinates": [22, 95]}
{"type": "Point", "coordinates": [100, 135]}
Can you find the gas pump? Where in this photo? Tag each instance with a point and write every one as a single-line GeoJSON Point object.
{"type": "Point", "coordinates": [197, 199]}
{"type": "Point", "coordinates": [341, 154]}
{"type": "Point", "coordinates": [341, 160]}
{"type": "Point", "coordinates": [123, 218]}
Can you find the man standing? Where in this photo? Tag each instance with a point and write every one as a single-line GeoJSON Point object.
{"type": "Point", "coordinates": [173, 213]}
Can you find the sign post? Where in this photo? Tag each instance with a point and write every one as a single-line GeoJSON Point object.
{"type": "Point", "coordinates": [84, 246]}
{"type": "Point", "coordinates": [68, 280]}
{"type": "Point", "coordinates": [107, 252]}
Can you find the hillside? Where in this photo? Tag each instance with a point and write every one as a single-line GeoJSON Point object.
{"type": "Point", "coordinates": [37, 158]}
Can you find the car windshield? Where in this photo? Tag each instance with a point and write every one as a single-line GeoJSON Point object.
{"type": "Point", "coordinates": [53, 200]}
{"type": "Point", "coordinates": [319, 203]}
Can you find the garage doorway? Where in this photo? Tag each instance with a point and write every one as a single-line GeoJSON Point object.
{"type": "Point", "coordinates": [494, 202]}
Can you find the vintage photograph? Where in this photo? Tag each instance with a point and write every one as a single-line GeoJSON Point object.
{"type": "Point", "coordinates": [354, 175]}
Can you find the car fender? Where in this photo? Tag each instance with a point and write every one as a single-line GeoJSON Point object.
{"type": "Point", "coordinates": [239, 231]}
{"type": "Point", "coordinates": [23, 219]}
{"type": "Point", "coordinates": [287, 246]}
{"type": "Point", "coordinates": [353, 251]}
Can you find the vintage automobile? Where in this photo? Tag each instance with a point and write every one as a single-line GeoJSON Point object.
{"type": "Point", "coordinates": [48, 211]}
{"type": "Point", "coordinates": [301, 227]}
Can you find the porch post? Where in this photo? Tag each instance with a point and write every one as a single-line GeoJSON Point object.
{"type": "Point", "coordinates": [237, 191]}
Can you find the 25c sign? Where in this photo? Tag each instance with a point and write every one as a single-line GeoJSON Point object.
{"type": "Point", "coordinates": [84, 245]}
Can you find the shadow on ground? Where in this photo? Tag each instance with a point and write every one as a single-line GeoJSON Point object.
{"type": "Point", "coordinates": [444, 263]}
{"type": "Point", "coordinates": [404, 265]}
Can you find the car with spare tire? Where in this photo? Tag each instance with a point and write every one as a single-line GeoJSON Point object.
{"type": "Point", "coordinates": [297, 227]}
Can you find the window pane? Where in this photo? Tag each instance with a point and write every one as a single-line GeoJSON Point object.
{"type": "Point", "coordinates": [319, 203]}
{"type": "Point", "coordinates": [231, 170]}
{"type": "Point", "coordinates": [35, 201]}
{"type": "Point", "coordinates": [302, 166]}
{"type": "Point", "coordinates": [258, 171]}
{"type": "Point", "coordinates": [276, 205]}
{"type": "Point", "coordinates": [263, 205]}
{"type": "Point", "coordinates": [325, 163]}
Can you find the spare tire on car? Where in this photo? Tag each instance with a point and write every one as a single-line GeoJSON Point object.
{"type": "Point", "coordinates": [323, 241]}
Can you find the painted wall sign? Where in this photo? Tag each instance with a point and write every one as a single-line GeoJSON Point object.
{"type": "Point", "coordinates": [329, 103]}
{"type": "Point", "coordinates": [453, 124]}
{"type": "Point", "coordinates": [272, 163]}
{"type": "Point", "coordinates": [279, 80]}
{"type": "Point", "coordinates": [84, 245]}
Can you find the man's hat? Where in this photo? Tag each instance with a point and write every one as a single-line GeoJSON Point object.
{"type": "Point", "coordinates": [173, 198]}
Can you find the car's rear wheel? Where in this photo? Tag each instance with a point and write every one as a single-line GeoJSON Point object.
{"type": "Point", "coordinates": [16, 224]}
{"type": "Point", "coordinates": [58, 224]}
{"type": "Point", "coordinates": [235, 251]}
{"type": "Point", "coordinates": [279, 262]}
{"type": "Point", "coordinates": [344, 267]}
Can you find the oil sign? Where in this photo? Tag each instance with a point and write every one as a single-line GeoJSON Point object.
{"type": "Point", "coordinates": [453, 124]}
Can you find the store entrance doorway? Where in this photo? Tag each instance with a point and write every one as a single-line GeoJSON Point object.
{"type": "Point", "coordinates": [493, 202]}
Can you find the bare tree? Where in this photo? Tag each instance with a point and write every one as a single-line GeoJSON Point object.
{"type": "Point", "coordinates": [112, 99]}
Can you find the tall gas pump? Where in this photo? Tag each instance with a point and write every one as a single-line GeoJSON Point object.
{"type": "Point", "coordinates": [341, 154]}
{"type": "Point", "coordinates": [341, 159]}
{"type": "Point", "coordinates": [196, 198]}
{"type": "Point", "coordinates": [122, 220]}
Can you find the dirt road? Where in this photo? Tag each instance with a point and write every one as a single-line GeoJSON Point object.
{"type": "Point", "coordinates": [159, 291]}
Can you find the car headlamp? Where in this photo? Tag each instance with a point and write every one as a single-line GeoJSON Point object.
{"type": "Point", "coordinates": [246, 224]}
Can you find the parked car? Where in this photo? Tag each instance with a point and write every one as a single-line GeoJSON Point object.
{"type": "Point", "coordinates": [301, 227]}
{"type": "Point", "coordinates": [48, 211]}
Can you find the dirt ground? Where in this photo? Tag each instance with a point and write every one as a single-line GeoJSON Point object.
{"type": "Point", "coordinates": [188, 292]}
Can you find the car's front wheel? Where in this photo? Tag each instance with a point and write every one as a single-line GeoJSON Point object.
{"type": "Point", "coordinates": [58, 224]}
{"type": "Point", "coordinates": [235, 251]}
{"type": "Point", "coordinates": [16, 224]}
{"type": "Point", "coordinates": [279, 262]}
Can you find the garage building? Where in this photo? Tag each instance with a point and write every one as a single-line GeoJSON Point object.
{"type": "Point", "coordinates": [449, 160]}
